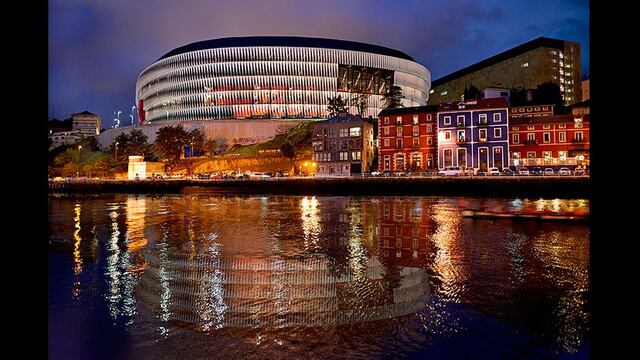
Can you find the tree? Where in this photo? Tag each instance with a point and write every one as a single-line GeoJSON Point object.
{"type": "Point", "coordinates": [134, 142]}
{"type": "Point", "coordinates": [169, 143]}
{"type": "Point", "coordinates": [393, 97]}
{"type": "Point", "coordinates": [336, 105]}
{"type": "Point", "coordinates": [288, 150]}
{"type": "Point", "coordinates": [361, 102]}
{"type": "Point", "coordinates": [548, 93]}
{"type": "Point", "coordinates": [471, 92]}
{"type": "Point", "coordinates": [518, 97]}
{"type": "Point", "coordinates": [68, 156]}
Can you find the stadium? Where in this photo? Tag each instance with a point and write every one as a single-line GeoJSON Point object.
{"type": "Point", "coordinates": [248, 89]}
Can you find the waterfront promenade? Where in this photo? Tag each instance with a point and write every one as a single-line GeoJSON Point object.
{"type": "Point", "coordinates": [554, 186]}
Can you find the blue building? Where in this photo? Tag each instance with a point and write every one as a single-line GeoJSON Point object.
{"type": "Point", "coordinates": [474, 134]}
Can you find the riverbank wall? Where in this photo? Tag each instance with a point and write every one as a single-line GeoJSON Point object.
{"type": "Point", "coordinates": [547, 187]}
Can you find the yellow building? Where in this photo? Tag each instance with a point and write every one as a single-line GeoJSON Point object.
{"type": "Point", "coordinates": [140, 169]}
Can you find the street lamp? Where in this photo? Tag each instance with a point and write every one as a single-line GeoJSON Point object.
{"type": "Point", "coordinates": [116, 151]}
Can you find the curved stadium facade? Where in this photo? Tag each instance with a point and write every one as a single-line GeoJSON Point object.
{"type": "Point", "coordinates": [273, 78]}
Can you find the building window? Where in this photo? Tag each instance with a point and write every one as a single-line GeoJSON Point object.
{"type": "Point", "coordinates": [562, 136]}
{"type": "Point", "coordinates": [415, 142]}
{"type": "Point", "coordinates": [497, 133]}
{"type": "Point", "coordinates": [460, 120]}
{"type": "Point", "coordinates": [429, 140]}
{"type": "Point", "coordinates": [497, 117]}
{"type": "Point", "coordinates": [399, 120]}
{"type": "Point", "coordinates": [578, 123]}
{"type": "Point", "coordinates": [447, 135]}
{"type": "Point", "coordinates": [428, 116]}
{"type": "Point", "coordinates": [482, 134]}
{"type": "Point", "coordinates": [578, 136]}
{"type": "Point", "coordinates": [562, 126]}
{"type": "Point", "coordinates": [356, 155]}
{"type": "Point", "coordinates": [386, 131]}
{"type": "Point", "coordinates": [546, 155]}
{"type": "Point", "coordinates": [546, 126]}
{"type": "Point", "coordinates": [416, 131]}
{"type": "Point", "coordinates": [429, 128]}
{"type": "Point", "coordinates": [354, 131]}
{"type": "Point", "coordinates": [531, 127]}
{"type": "Point", "coordinates": [399, 162]}
{"type": "Point", "coordinates": [482, 118]}
{"type": "Point", "coordinates": [399, 131]}
{"type": "Point", "coordinates": [386, 142]}
{"type": "Point", "coordinates": [546, 137]}
{"type": "Point", "coordinates": [415, 119]}
{"type": "Point", "coordinates": [514, 128]}
{"type": "Point", "coordinates": [344, 132]}
{"type": "Point", "coordinates": [516, 138]}
{"type": "Point", "coordinates": [398, 143]}
{"type": "Point", "coordinates": [448, 157]}
{"type": "Point", "coordinates": [531, 154]}
{"type": "Point", "coordinates": [531, 137]}
{"type": "Point", "coordinates": [460, 135]}
{"type": "Point", "coordinates": [386, 120]}
{"type": "Point", "coordinates": [562, 155]}
{"type": "Point", "coordinates": [447, 120]}
{"type": "Point", "coordinates": [344, 156]}
{"type": "Point", "coordinates": [387, 162]}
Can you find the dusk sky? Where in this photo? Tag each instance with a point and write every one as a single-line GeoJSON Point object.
{"type": "Point", "coordinates": [97, 48]}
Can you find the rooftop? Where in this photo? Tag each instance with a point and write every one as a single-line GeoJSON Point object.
{"type": "Point", "coordinates": [518, 50]}
{"type": "Point", "coordinates": [409, 110]}
{"type": "Point", "coordinates": [290, 41]}
{"type": "Point", "coordinates": [491, 103]}
{"type": "Point", "coordinates": [555, 119]}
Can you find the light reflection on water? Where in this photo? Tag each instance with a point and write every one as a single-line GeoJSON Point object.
{"type": "Point", "coordinates": [266, 273]}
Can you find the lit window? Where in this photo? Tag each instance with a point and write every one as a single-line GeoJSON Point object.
{"type": "Point", "coordinates": [516, 138]}
{"type": "Point", "coordinates": [386, 120]}
{"type": "Point", "coordinates": [415, 130]}
{"type": "Point", "coordinates": [531, 137]}
{"type": "Point", "coordinates": [460, 135]}
{"type": "Point", "coordinates": [356, 155]}
{"type": "Point", "coordinates": [482, 118]}
{"type": "Point", "coordinates": [447, 120]}
{"type": "Point", "coordinates": [447, 135]}
{"type": "Point", "coordinates": [546, 137]}
{"type": "Point", "coordinates": [562, 136]}
{"type": "Point", "coordinates": [399, 120]}
{"type": "Point", "coordinates": [415, 119]}
{"type": "Point", "coordinates": [578, 136]}
{"type": "Point", "coordinates": [354, 131]}
{"type": "Point", "coordinates": [482, 134]}
{"type": "Point", "coordinates": [525, 65]}
{"type": "Point", "coordinates": [415, 142]}
{"type": "Point", "coordinates": [531, 154]}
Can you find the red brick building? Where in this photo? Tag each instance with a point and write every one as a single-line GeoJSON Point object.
{"type": "Point", "coordinates": [407, 139]}
{"type": "Point", "coordinates": [549, 141]}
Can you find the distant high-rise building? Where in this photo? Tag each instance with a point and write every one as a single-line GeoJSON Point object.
{"type": "Point", "coordinates": [528, 65]}
{"type": "Point", "coordinates": [585, 90]}
{"type": "Point", "coordinates": [87, 123]}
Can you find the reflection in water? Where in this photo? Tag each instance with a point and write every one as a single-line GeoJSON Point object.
{"type": "Point", "coordinates": [245, 265]}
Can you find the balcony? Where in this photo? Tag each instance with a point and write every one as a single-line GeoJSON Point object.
{"type": "Point", "coordinates": [483, 123]}
{"type": "Point", "coordinates": [482, 140]}
{"type": "Point", "coordinates": [460, 125]}
{"type": "Point", "coordinates": [462, 141]}
{"type": "Point", "coordinates": [531, 142]}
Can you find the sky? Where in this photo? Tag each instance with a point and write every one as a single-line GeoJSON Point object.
{"type": "Point", "coordinates": [97, 48]}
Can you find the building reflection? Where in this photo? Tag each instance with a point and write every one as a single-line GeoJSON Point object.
{"type": "Point", "coordinates": [327, 272]}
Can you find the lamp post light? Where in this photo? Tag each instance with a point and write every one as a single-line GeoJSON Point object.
{"type": "Point", "coordinates": [116, 151]}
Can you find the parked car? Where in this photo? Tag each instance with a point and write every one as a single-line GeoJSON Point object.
{"type": "Point", "coordinates": [564, 171]}
{"type": "Point", "coordinates": [493, 171]}
{"type": "Point", "coordinates": [259, 175]}
{"type": "Point", "coordinates": [523, 171]}
{"type": "Point", "coordinates": [578, 172]}
{"type": "Point", "coordinates": [203, 176]}
{"type": "Point", "coordinates": [548, 171]}
{"type": "Point", "coordinates": [480, 172]}
{"type": "Point", "coordinates": [450, 171]}
{"type": "Point", "coordinates": [507, 172]}
{"type": "Point", "coordinates": [376, 173]}
{"type": "Point", "coordinates": [536, 171]}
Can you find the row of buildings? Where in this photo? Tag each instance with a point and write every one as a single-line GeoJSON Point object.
{"type": "Point", "coordinates": [83, 124]}
{"type": "Point", "coordinates": [476, 134]}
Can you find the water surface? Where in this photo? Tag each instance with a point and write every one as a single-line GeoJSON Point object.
{"type": "Point", "coordinates": [205, 275]}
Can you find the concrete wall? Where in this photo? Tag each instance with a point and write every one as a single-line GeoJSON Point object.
{"type": "Point", "coordinates": [233, 131]}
